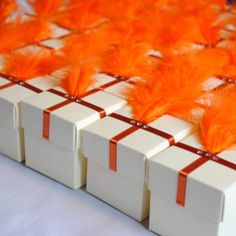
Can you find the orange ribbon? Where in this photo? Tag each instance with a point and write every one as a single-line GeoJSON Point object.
{"type": "Point", "coordinates": [69, 99]}
{"type": "Point", "coordinates": [135, 126]}
{"type": "Point", "coordinates": [183, 174]}
{"type": "Point", "coordinates": [15, 81]}
{"type": "Point", "coordinates": [226, 79]}
{"type": "Point", "coordinates": [118, 79]}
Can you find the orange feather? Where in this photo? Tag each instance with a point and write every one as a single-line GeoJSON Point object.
{"type": "Point", "coordinates": [27, 64]}
{"type": "Point", "coordinates": [45, 8]}
{"type": "Point", "coordinates": [79, 78]}
{"type": "Point", "coordinates": [125, 9]}
{"type": "Point", "coordinates": [209, 25]}
{"type": "Point", "coordinates": [173, 90]}
{"type": "Point", "coordinates": [218, 125]}
{"type": "Point", "coordinates": [81, 16]}
{"type": "Point", "coordinates": [82, 52]}
{"type": "Point", "coordinates": [169, 35]}
{"type": "Point", "coordinates": [125, 31]}
{"type": "Point", "coordinates": [80, 47]}
{"type": "Point", "coordinates": [213, 60]}
{"type": "Point", "coordinates": [16, 35]}
{"type": "Point", "coordinates": [7, 7]}
{"type": "Point", "coordinates": [128, 59]}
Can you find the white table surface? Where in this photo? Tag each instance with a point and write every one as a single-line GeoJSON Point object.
{"type": "Point", "coordinates": [32, 204]}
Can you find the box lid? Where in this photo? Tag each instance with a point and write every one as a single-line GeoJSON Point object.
{"type": "Point", "coordinates": [114, 84]}
{"type": "Point", "coordinates": [209, 187]}
{"type": "Point", "coordinates": [212, 83]}
{"type": "Point", "coordinates": [134, 149]}
{"type": "Point", "coordinates": [66, 121]}
{"type": "Point", "coordinates": [52, 43]}
{"type": "Point", "coordinates": [58, 31]}
{"type": "Point", "coordinates": [12, 94]}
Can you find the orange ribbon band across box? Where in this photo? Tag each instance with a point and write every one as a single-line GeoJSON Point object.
{"type": "Point", "coordinates": [71, 99]}
{"type": "Point", "coordinates": [15, 81]}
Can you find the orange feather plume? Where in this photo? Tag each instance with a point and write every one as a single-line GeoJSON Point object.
{"type": "Point", "coordinates": [213, 60]}
{"type": "Point", "coordinates": [125, 9]}
{"type": "Point", "coordinates": [27, 64]}
{"type": "Point", "coordinates": [124, 31]}
{"type": "Point", "coordinates": [230, 68]}
{"type": "Point", "coordinates": [169, 35]}
{"type": "Point", "coordinates": [16, 35]}
{"type": "Point", "coordinates": [79, 47]}
{"type": "Point", "coordinates": [128, 59]}
{"type": "Point", "coordinates": [79, 78]}
{"type": "Point", "coordinates": [82, 52]}
{"type": "Point", "coordinates": [217, 128]}
{"type": "Point", "coordinates": [7, 7]}
{"type": "Point", "coordinates": [45, 8]}
{"type": "Point", "coordinates": [209, 25]}
{"type": "Point", "coordinates": [173, 90]}
{"type": "Point", "coordinates": [81, 15]}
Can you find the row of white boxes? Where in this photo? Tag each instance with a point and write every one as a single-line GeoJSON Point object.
{"type": "Point", "coordinates": [64, 137]}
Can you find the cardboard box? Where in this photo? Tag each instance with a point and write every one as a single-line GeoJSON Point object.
{"type": "Point", "coordinates": [192, 195]}
{"type": "Point", "coordinates": [52, 139]}
{"type": "Point", "coordinates": [12, 92]}
{"type": "Point", "coordinates": [117, 170]}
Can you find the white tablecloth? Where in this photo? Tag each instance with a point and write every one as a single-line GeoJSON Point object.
{"type": "Point", "coordinates": [32, 204]}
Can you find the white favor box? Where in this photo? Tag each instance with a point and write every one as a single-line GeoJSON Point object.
{"type": "Point", "coordinates": [126, 189]}
{"type": "Point", "coordinates": [210, 198]}
{"type": "Point", "coordinates": [60, 157]}
{"type": "Point", "coordinates": [11, 132]}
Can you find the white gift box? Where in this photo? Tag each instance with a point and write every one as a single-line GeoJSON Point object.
{"type": "Point", "coordinates": [12, 92]}
{"type": "Point", "coordinates": [192, 195]}
{"type": "Point", "coordinates": [121, 181]}
{"type": "Point", "coordinates": [58, 153]}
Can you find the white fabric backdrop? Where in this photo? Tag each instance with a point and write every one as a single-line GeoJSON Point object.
{"type": "Point", "coordinates": [33, 205]}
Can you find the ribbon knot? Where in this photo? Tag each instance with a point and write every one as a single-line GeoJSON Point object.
{"type": "Point", "coordinates": [73, 98]}
{"type": "Point", "coordinates": [139, 124]}
{"type": "Point", "coordinates": [121, 77]}
{"type": "Point", "coordinates": [13, 81]}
